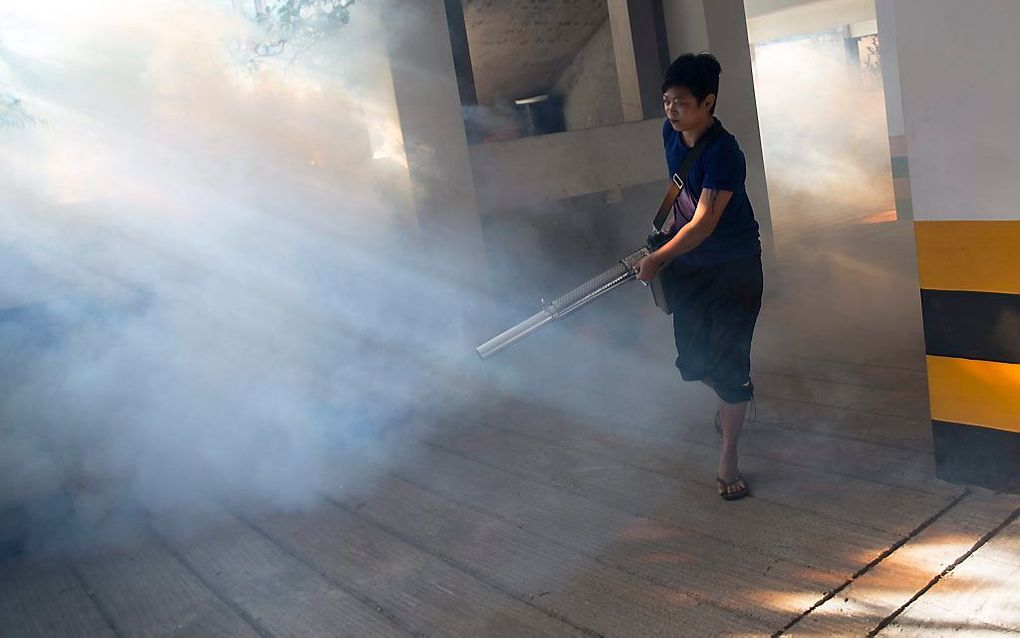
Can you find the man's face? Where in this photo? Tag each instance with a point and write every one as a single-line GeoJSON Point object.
{"type": "Point", "coordinates": [683, 110]}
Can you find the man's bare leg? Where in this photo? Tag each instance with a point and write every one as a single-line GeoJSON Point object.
{"type": "Point", "coordinates": [732, 417]}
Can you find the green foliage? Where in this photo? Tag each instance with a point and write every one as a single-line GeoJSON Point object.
{"type": "Point", "coordinates": [301, 21]}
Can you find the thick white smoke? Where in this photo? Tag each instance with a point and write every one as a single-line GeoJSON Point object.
{"type": "Point", "coordinates": [826, 151]}
{"type": "Point", "coordinates": [824, 133]}
{"type": "Point", "coordinates": [201, 300]}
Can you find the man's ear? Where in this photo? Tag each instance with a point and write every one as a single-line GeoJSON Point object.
{"type": "Point", "coordinates": [709, 101]}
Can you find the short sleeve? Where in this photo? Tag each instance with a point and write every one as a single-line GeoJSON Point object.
{"type": "Point", "coordinates": [725, 169]}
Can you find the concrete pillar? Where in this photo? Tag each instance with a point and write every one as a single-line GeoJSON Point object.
{"type": "Point", "coordinates": [442, 186]}
{"type": "Point", "coordinates": [639, 45]}
{"type": "Point", "coordinates": [685, 26]}
{"type": "Point", "coordinates": [727, 39]}
{"type": "Point", "coordinates": [720, 26]}
{"type": "Point", "coordinates": [959, 106]}
{"type": "Point", "coordinates": [626, 61]}
{"type": "Point", "coordinates": [370, 75]}
{"type": "Point", "coordinates": [894, 110]}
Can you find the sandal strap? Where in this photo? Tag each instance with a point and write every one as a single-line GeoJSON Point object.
{"type": "Point", "coordinates": [727, 488]}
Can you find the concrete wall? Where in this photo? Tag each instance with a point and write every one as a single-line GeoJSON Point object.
{"type": "Point", "coordinates": [589, 85]}
{"type": "Point", "coordinates": [962, 148]}
{"type": "Point", "coordinates": [547, 168]}
{"type": "Point", "coordinates": [960, 101]}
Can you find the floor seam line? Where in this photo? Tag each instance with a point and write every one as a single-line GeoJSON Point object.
{"type": "Point", "coordinates": [476, 420]}
{"type": "Point", "coordinates": [104, 613]}
{"type": "Point", "coordinates": [782, 425]}
{"type": "Point", "coordinates": [372, 604]}
{"type": "Point", "coordinates": [670, 475]}
{"type": "Point", "coordinates": [488, 582]}
{"type": "Point", "coordinates": [882, 387]}
{"type": "Point", "coordinates": [859, 365]}
{"type": "Point", "coordinates": [231, 604]}
{"type": "Point", "coordinates": [938, 577]}
{"type": "Point", "coordinates": [649, 516]}
{"type": "Point", "coordinates": [777, 424]}
{"type": "Point", "coordinates": [766, 395]}
{"type": "Point", "coordinates": [648, 579]}
{"type": "Point", "coordinates": [874, 563]}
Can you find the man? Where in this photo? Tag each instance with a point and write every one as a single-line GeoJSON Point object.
{"type": "Point", "coordinates": [712, 264]}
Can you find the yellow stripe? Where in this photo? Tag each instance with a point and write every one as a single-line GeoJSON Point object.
{"type": "Point", "coordinates": [982, 393]}
{"type": "Point", "coordinates": [969, 255]}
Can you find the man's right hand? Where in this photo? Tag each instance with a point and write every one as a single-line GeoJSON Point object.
{"type": "Point", "coordinates": [649, 267]}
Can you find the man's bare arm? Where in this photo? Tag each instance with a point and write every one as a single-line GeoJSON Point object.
{"type": "Point", "coordinates": [711, 205]}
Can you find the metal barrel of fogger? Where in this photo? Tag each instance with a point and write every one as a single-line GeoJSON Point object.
{"type": "Point", "coordinates": [595, 287]}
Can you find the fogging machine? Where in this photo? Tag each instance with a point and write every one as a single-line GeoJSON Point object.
{"type": "Point", "coordinates": [625, 270]}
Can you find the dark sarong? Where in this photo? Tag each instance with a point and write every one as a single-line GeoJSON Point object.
{"type": "Point", "coordinates": [714, 313]}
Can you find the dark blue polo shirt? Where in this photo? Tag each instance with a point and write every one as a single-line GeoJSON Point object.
{"type": "Point", "coordinates": [720, 167]}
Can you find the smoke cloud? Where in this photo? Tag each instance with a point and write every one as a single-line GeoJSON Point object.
{"type": "Point", "coordinates": [823, 130]}
{"type": "Point", "coordinates": [213, 290]}
{"type": "Point", "coordinates": [200, 301]}
{"type": "Point", "coordinates": [826, 151]}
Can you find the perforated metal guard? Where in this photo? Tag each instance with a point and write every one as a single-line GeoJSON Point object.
{"type": "Point", "coordinates": [596, 286]}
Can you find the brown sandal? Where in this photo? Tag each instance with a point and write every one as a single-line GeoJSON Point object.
{"type": "Point", "coordinates": [727, 491]}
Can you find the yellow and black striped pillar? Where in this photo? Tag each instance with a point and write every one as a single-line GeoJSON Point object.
{"type": "Point", "coordinates": [970, 297]}
{"type": "Point", "coordinates": [956, 175]}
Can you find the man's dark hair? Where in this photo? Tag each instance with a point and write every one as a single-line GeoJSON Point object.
{"type": "Point", "coordinates": [697, 72]}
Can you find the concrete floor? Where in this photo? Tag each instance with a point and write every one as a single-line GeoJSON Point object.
{"type": "Point", "coordinates": [578, 499]}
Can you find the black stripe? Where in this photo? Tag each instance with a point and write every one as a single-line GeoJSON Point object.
{"type": "Point", "coordinates": [977, 456]}
{"type": "Point", "coordinates": [972, 325]}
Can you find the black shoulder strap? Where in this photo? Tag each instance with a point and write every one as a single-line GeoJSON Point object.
{"type": "Point", "coordinates": [681, 174]}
